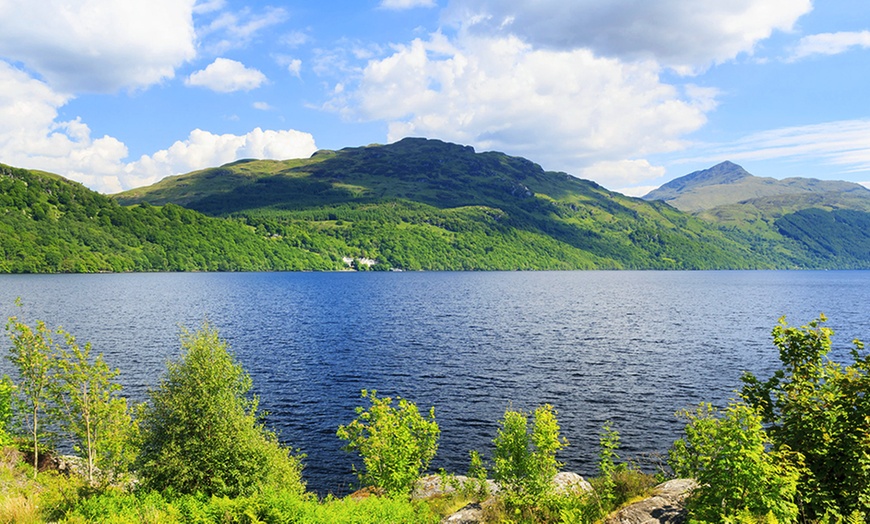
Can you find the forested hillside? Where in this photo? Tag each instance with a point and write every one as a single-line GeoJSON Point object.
{"type": "Point", "coordinates": [413, 205]}
{"type": "Point", "coordinates": [426, 204]}
{"type": "Point", "coordinates": [50, 225]}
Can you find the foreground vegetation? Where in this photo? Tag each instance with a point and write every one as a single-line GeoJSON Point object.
{"type": "Point", "coordinates": [793, 448]}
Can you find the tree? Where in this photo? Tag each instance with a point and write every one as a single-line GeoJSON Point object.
{"type": "Point", "coordinates": [727, 454]}
{"type": "Point", "coordinates": [396, 442]}
{"type": "Point", "coordinates": [821, 409]}
{"type": "Point", "coordinates": [89, 409]}
{"type": "Point", "coordinates": [202, 433]}
{"type": "Point", "coordinates": [32, 353]}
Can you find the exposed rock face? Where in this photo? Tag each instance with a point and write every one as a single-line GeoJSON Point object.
{"type": "Point", "coordinates": [665, 506]}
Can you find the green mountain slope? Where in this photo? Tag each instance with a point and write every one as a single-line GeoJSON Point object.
{"type": "Point", "coordinates": [428, 204]}
{"type": "Point", "coordinates": [49, 224]}
{"type": "Point", "coordinates": [820, 223]}
{"type": "Point", "coordinates": [415, 204]}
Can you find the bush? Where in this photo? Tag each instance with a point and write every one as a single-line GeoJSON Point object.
{"type": "Point", "coordinates": [525, 462]}
{"type": "Point", "coordinates": [395, 442]}
{"type": "Point", "coordinates": [727, 454]}
{"type": "Point", "coordinates": [202, 434]}
{"type": "Point", "coordinates": [6, 389]}
{"type": "Point", "coordinates": [821, 409]}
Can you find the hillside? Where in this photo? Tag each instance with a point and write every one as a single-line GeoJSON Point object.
{"type": "Point", "coordinates": [51, 225]}
{"type": "Point", "coordinates": [827, 219]}
{"type": "Point", "coordinates": [416, 204]}
{"type": "Point", "coordinates": [427, 204]}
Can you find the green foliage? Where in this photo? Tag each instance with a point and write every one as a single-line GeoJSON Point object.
{"type": "Point", "coordinates": [7, 389]}
{"type": "Point", "coordinates": [202, 434]}
{"type": "Point", "coordinates": [727, 454]}
{"type": "Point", "coordinates": [820, 409]}
{"type": "Point", "coordinates": [396, 442]}
{"type": "Point", "coordinates": [32, 353]}
{"type": "Point", "coordinates": [525, 461]}
{"type": "Point", "coordinates": [89, 409]}
{"type": "Point", "coordinates": [608, 444]}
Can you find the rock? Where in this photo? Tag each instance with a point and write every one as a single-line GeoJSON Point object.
{"type": "Point", "coordinates": [437, 485]}
{"type": "Point", "coordinates": [567, 481]}
{"type": "Point", "coordinates": [470, 514]}
{"type": "Point", "coordinates": [664, 507]}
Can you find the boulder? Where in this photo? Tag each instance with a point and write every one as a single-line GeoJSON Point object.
{"type": "Point", "coordinates": [567, 482]}
{"type": "Point", "coordinates": [665, 506]}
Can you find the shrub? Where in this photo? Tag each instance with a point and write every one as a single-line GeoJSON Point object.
{"type": "Point", "coordinates": [201, 433]}
{"type": "Point", "coordinates": [727, 454]}
{"type": "Point", "coordinates": [6, 390]}
{"type": "Point", "coordinates": [821, 409]}
{"type": "Point", "coordinates": [525, 462]}
{"type": "Point", "coordinates": [395, 442]}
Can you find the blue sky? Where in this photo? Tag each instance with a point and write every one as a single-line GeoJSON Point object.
{"type": "Point", "coordinates": [630, 94]}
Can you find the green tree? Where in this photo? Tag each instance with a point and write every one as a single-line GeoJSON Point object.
{"type": "Point", "coordinates": [90, 410]}
{"type": "Point", "coordinates": [201, 432]}
{"type": "Point", "coordinates": [395, 442]}
{"type": "Point", "coordinates": [727, 454]}
{"type": "Point", "coordinates": [32, 353]}
{"type": "Point", "coordinates": [821, 409]}
{"type": "Point", "coordinates": [525, 461]}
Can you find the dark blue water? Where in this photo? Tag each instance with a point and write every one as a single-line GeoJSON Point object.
{"type": "Point", "coordinates": [631, 347]}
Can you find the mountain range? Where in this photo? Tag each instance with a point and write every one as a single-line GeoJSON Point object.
{"type": "Point", "coordinates": [427, 204]}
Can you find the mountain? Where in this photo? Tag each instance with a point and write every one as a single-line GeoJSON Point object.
{"type": "Point", "coordinates": [828, 219]}
{"type": "Point", "coordinates": [427, 204]}
{"type": "Point", "coordinates": [415, 204]}
{"type": "Point", "coordinates": [728, 183]}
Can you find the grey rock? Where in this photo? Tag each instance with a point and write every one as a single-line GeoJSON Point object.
{"type": "Point", "coordinates": [666, 506]}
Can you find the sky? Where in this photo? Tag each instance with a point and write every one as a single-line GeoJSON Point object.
{"type": "Point", "coordinates": [628, 93]}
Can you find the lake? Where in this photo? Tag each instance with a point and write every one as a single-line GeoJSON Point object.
{"type": "Point", "coordinates": [628, 346]}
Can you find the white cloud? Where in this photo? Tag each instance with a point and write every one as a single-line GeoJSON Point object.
{"type": "Point", "coordinates": [687, 36]}
{"type": "Point", "coordinates": [262, 106]}
{"type": "Point", "coordinates": [565, 109]}
{"type": "Point", "coordinates": [203, 149]}
{"type": "Point", "coordinates": [227, 76]}
{"type": "Point", "coordinates": [231, 30]}
{"type": "Point", "coordinates": [844, 143]}
{"type": "Point", "coordinates": [98, 45]}
{"type": "Point", "coordinates": [830, 43]}
{"type": "Point", "coordinates": [622, 173]}
{"type": "Point", "coordinates": [406, 4]}
{"type": "Point", "coordinates": [32, 137]}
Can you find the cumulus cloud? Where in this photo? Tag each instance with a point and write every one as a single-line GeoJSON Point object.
{"type": "Point", "coordinates": [687, 36]}
{"type": "Point", "coordinates": [830, 43]}
{"type": "Point", "coordinates": [227, 76]}
{"type": "Point", "coordinates": [406, 4]}
{"type": "Point", "coordinates": [98, 45]}
{"type": "Point", "coordinates": [31, 136]}
{"type": "Point", "coordinates": [620, 173]}
{"type": "Point", "coordinates": [203, 149]}
{"type": "Point", "coordinates": [568, 110]}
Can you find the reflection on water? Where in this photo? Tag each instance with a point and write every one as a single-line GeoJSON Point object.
{"type": "Point", "coordinates": [631, 347]}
